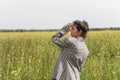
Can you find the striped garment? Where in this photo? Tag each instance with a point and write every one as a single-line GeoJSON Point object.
{"type": "Point", "coordinates": [72, 56]}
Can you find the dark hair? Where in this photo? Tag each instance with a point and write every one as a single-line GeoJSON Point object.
{"type": "Point", "coordinates": [81, 25]}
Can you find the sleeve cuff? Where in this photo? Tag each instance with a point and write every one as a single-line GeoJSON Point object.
{"type": "Point", "coordinates": [64, 30]}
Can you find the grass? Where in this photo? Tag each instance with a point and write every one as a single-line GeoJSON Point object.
{"type": "Point", "coordinates": [32, 56]}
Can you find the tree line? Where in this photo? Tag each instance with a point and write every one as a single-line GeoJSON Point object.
{"type": "Point", "coordinates": [50, 30]}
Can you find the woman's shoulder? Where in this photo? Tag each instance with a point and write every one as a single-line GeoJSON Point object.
{"type": "Point", "coordinates": [71, 39]}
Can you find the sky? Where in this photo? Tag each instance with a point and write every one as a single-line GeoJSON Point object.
{"type": "Point", "coordinates": [54, 14]}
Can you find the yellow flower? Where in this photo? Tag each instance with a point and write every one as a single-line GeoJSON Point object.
{"type": "Point", "coordinates": [14, 72]}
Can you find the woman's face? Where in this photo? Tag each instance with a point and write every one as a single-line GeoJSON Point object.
{"type": "Point", "coordinates": [74, 32]}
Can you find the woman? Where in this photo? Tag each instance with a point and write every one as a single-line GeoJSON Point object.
{"type": "Point", "coordinates": [74, 51]}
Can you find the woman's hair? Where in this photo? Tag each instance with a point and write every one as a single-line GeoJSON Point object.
{"type": "Point", "coordinates": [81, 25]}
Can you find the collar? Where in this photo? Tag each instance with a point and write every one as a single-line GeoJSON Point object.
{"type": "Point", "coordinates": [80, 39]}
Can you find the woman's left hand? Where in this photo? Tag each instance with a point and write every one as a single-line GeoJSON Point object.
{"type": "Point", "coordinates": [70, 25]}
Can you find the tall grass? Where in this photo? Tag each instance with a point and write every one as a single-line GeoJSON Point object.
{"type": "Point", "coordinates": [32, 56]}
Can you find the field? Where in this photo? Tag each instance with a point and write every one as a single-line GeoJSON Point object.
{"type": "Point", "coordinates": [32, 56]}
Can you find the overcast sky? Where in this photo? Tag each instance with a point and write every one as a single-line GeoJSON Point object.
{"type": "Point", "coordinates": [52, 14]}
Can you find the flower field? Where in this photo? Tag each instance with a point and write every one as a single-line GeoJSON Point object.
{"type": "Point", "coordinates": [32, 56]}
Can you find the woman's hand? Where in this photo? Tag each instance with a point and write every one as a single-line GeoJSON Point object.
{"type": "Point", "coordinates": [70, 25]}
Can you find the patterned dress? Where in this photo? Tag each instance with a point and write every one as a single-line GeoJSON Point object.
{"type": "Point", "coordinates": [72, 56]}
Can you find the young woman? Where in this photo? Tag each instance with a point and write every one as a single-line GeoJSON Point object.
{"type": "Point", "coordinates": [73, 51]}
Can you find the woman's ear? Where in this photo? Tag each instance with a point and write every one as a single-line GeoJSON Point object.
{"type": "Point", "coordinates": [80, 32]}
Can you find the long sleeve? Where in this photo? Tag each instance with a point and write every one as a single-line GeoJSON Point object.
{"type": "Point", "coordinates": [57, 37]}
